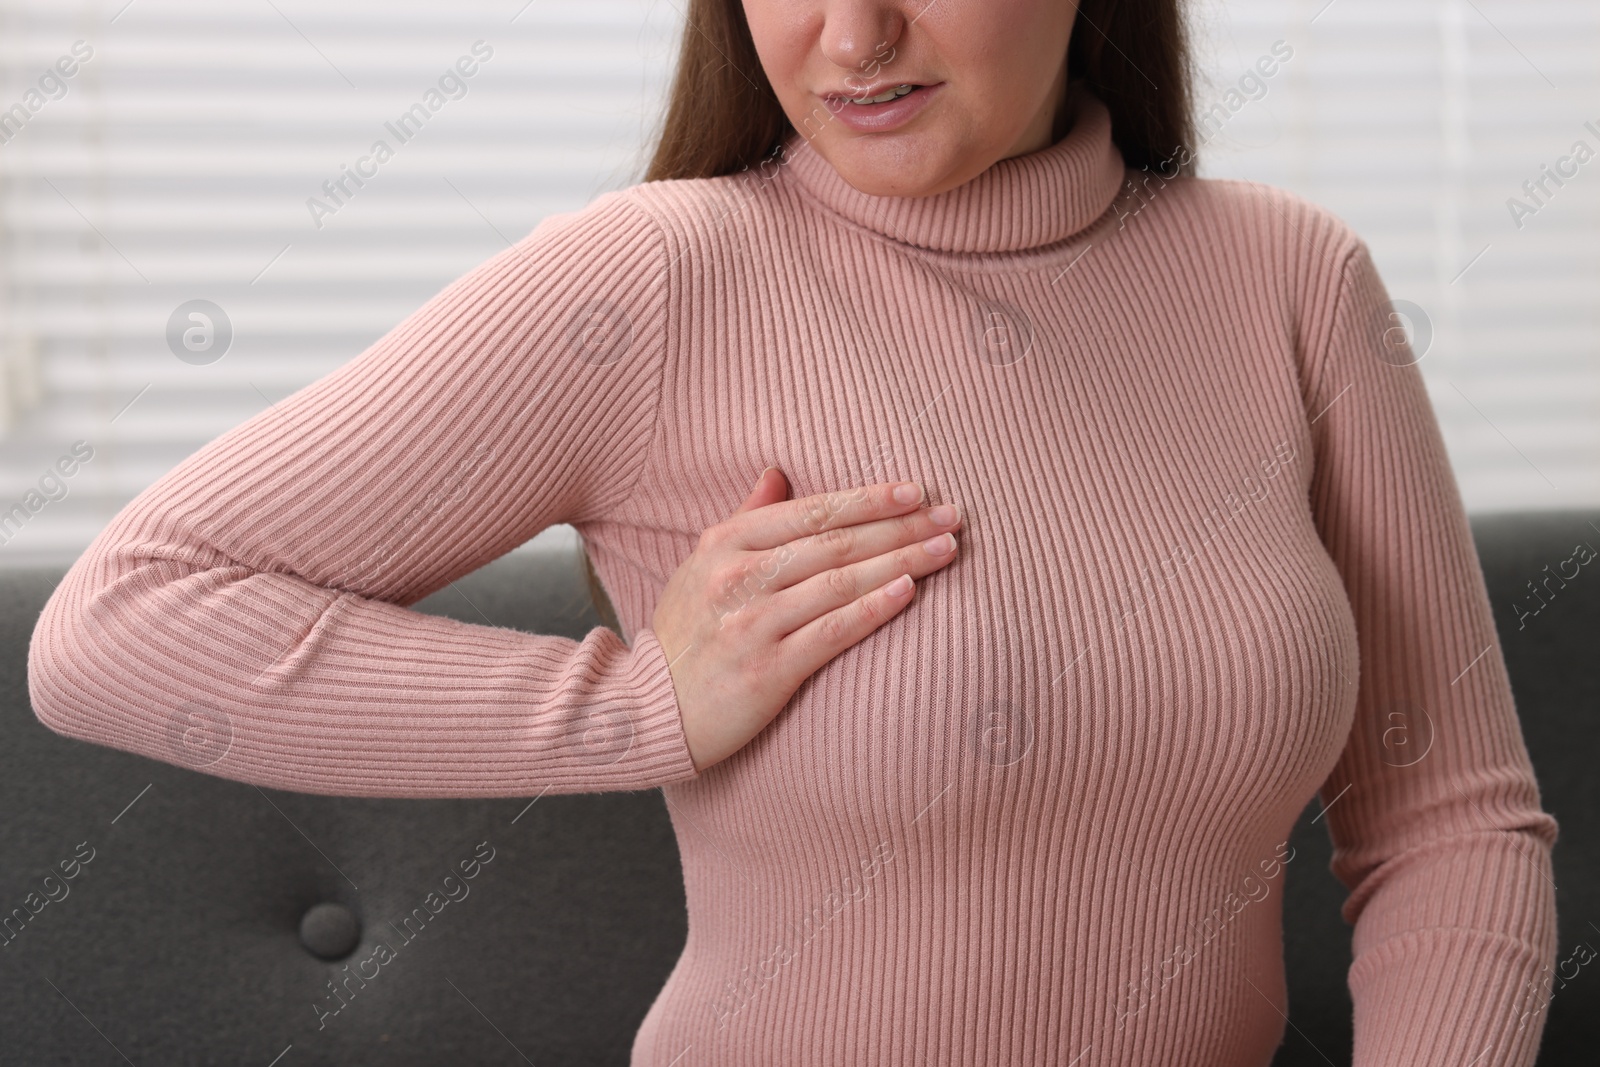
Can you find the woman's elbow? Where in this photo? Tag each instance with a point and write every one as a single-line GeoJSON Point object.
{"type": "Point", "coordinates": [69, 684]}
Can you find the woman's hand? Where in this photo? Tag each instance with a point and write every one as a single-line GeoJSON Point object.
{"type": "Point", "coordinates": [781, 587]}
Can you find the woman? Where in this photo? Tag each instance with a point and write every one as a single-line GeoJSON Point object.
{"type": "Point", "coordinates": [1215, 564]}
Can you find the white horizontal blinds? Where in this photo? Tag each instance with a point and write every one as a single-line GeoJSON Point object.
{"type": "Point", "coordinates": [176, 166]}
{"type": "Point", "coordinates": [1416, 121]}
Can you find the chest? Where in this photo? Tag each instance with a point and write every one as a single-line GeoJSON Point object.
{"type": "Point", "coordinates": [1139, 585]}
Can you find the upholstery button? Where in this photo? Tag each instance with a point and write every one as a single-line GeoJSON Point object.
{"type": "Point", "coordinates": [330, 930]}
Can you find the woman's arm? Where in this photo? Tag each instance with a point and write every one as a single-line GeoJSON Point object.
{"type": "Point", "coordinates": [1433, 807]}
{"type": "Point", "coordinates": [254, 598]}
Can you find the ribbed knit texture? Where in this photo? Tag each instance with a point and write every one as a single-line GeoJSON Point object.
{"type": "Point", "coordinates": [1215, 562]}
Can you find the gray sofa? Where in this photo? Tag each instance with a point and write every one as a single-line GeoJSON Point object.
{"type": "Point", "coordinates": [194, 920]}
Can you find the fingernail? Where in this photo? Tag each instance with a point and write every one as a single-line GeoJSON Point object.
{"type": "Point", "coordinates": [943, 515]}
{"type": "Point", "coordinates": [908, 492]}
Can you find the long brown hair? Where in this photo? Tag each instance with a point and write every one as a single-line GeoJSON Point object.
{"type": "Point", "coordinates": [723, 117]}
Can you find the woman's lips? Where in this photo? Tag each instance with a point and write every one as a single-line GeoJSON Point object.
{"type": "Point", "coordinates": [877, 118]}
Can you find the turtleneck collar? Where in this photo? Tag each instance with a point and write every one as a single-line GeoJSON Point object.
{"type": "Point", "coordinates": [1023, 202]}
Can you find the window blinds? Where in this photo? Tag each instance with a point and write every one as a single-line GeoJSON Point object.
{"type": "Point", "coordinates": [1417, 121]}
{"type": "Point", "coordinates": [196, 220]}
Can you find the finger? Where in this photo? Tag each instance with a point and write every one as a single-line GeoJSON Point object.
{"type": "Point", "coordinates": [791, 564]}
{"type": "Point", "coordinates": [779, 523]}
{"type": "Point", "coordinates": [789, 610]}
{"type": "Point", "coordinates": [771, 486]}
{"type": "Point", "coordinates": [806, 650]}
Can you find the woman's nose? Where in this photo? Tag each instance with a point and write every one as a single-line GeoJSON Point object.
{"type": "Point", "coordinates": [860, 35]}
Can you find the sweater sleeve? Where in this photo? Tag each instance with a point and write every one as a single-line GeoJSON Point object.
{"type": "Point", "coordinates": [1432, 807]}
{"type": "Point", "coordinates": [247, 615]}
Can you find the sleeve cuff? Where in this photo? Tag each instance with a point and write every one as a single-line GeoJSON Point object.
{"type": "Point", "coordinates": [1457, 996]}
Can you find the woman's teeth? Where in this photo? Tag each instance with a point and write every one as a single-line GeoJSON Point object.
{"type": "Point", "coordinates": [899, 90]}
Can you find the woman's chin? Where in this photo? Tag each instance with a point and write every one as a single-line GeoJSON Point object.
{"type": "Point", "coordinates": [913, 163]}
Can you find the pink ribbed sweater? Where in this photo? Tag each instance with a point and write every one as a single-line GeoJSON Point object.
{"type": "Point", "coordinates": [1215, 563]}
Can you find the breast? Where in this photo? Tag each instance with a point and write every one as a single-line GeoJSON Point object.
{"type": "Point", "coordinates": [1084, 732]}
{"type": "Point", "coordinates": [1141, 618]}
